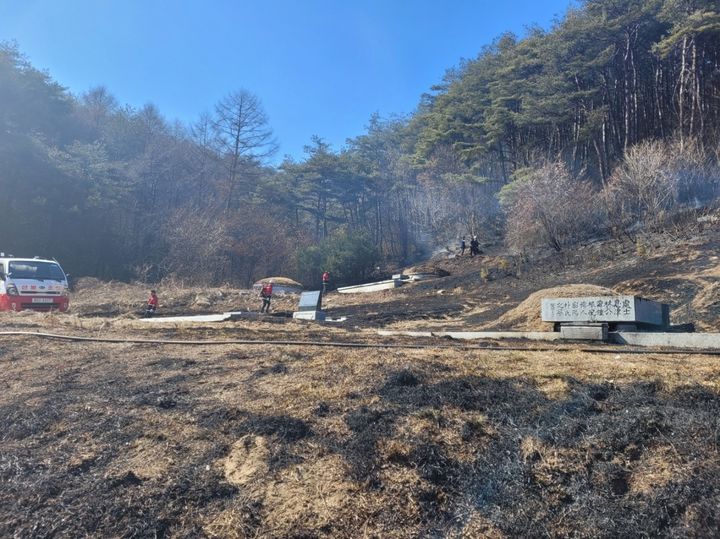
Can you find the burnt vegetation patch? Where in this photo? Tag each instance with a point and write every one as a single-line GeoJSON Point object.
{"type": "Point", "coordinates": [467, 393]}
{"type": "Point", "coordinates": [322, 409]}
{"type": "Point", "coordinates": [472, 430]}
{"type": "Point", "coordinates": [63, 453]}
{"type": "Point", "coordinates": [237, 423]}
{"type": "Point", "coordinates": [616, 462]}
{"type": "Point", "coordinates": [286, 428]}
{"type": "Point", "coordinates": [368, 427]}
{"type": "Point", "coordinates": [366, 419]}
{"type": "Point", "coordinates": [404, 378]}
{"type": "Point", "coordinates": [93, 452]}
{"type": "Point", "coordinates": [603, 451]}
{"type": "Point", "coordinates": [433, 464]}
{"type": "Point", "coordinates": [164, 397]}
{"type": "Point", "coordinates": [277, 368]}
{"type": "Point", "coordinates": [20, 421]}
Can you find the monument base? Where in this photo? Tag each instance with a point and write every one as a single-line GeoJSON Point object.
{"type": "Point", "coordinates": [584, 332]}
{"type": "Point", "coordinates": [309, 315]}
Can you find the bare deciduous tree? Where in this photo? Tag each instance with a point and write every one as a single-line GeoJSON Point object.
{"type": "Point", "coordinates": [242, 136]}
{"type": "Point", "coordinates": [656, 179]}
{"type": "Point", "coordinates": [197, 242]}
{"type": "Point", "coordinates": [98, 104]}
{"type": "Point", "coordinates": [642, 188]}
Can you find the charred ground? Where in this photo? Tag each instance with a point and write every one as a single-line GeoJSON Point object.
{"type": "Point", "coordinates": [139, 440]}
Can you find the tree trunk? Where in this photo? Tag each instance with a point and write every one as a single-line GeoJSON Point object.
{"type": "Point", "coordinates": [681, 97]}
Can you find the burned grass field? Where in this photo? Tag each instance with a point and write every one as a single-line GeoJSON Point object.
{"type": "Point", "coordinates": [143, 440]}
{"type": "Point", "coordinates": [254, 441]}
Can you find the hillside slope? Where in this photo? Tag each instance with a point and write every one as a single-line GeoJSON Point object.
{"type": "Point", "coordinates": [683, 271]}
{"type": "Point", "coordinates": [478, 292]}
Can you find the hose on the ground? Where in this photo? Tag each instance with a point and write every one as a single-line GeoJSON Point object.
{"type": "Point", "coordinates": [338, 344]}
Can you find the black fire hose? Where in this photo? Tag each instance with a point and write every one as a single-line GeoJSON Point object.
{"type": "Point", "coordinates": [338, 344]}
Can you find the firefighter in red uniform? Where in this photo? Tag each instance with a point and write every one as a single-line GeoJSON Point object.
{"type": "Point", "coordinates": [266, 295]}
{"type": "Point", "coordinates": [152, 304]}
{"type": "Point", "coordinates": [325, 281]}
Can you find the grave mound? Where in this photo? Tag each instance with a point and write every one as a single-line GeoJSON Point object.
{"type": "Point", "coordinates": [280, 284]}
{"type": "Point", "coordinates": [527, 316]}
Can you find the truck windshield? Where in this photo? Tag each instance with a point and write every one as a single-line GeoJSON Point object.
{"type": "Point", "coordinates": [30, 269]}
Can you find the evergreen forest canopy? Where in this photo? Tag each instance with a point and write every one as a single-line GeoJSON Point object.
{"type": "Point", "coordinates": [605, 124]}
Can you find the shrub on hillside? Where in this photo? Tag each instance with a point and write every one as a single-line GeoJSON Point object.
{"type": "Point", "coordinates": [548, 207]}
{"type": "Point", "coordinates": [698, 175]}
{"type": "Point", "coordinates": [204, 249]}
{"type": "Point", "coordinates": [642, 188]}
{"type": "Point", "coordinates": [657, 179]}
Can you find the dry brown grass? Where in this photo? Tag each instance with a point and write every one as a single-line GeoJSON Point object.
{"type": "Point", "coordinates": [93, 298]}
{"type": "Point", "coordinates": [130, 440]}
{"type": "Point", "coordinates": [250, 441]}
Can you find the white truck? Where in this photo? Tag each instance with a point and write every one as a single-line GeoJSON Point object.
{"type": "Point", "coordinates": [32, 283]}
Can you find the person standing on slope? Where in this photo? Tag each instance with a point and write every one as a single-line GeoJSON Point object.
{"type": "Point", "coordinates": [474, 246]}
{"type": "Point", "coordinates": [266, 295]}
{"type": "Point", "coordinates": [325, 281]}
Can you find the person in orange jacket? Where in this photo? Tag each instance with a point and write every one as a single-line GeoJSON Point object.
{"type": "Point", "coordinates": [152, 304]}
{"type": "Point", "coordinates": [325, 281]}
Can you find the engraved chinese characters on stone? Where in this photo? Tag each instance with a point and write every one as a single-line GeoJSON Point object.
{"type": "Point", "coordinates": [602, 309]}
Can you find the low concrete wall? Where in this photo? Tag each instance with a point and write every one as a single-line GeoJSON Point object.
{"type": "Point", "coordinates": [709, 341]}
{"type": "Point", "coordinates": [471, 335]}
{"type": "Point", "coordinates": [585, 332]}
{"type": "Point", "coordinates": [309, 315]}
{"type": "Point", "coordinates": [370, 287]}
{"type": "Point", "coordinates": [673, 340]}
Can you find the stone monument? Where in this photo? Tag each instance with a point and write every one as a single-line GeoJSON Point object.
{"type": "Point", "coordinates": [592, 317]}
{"type": "Point", "coordinates": [310, 306]}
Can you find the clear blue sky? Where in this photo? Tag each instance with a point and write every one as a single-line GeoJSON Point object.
{"type": "Point", "coordinates": [320, 67]}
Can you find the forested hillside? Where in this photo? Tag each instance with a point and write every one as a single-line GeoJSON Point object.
{"type": "Point", "coordinates": [605, 124]}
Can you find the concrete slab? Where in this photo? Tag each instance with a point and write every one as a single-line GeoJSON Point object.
{"type": "Point", "coordinates": [238, 315]}
{"type": "Point", "coordinates": [710, 341]}
{"type": "Point", "coordinates": [585, 332]}
{"type": "Point", "coordinates": [309, 315]}
{"type": "Point", "coordinates": [422, 276]}
{"type": "Point", "coordinates": [388, 333]}
{"type": "Point", "coordinates": [419, 276]}
{"type": "Point", "coordinates": [371, 287]}
{"type": "Point", "coordinates": [472, 335]}
{"type": "Point", "coordinates": [197, 318]}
